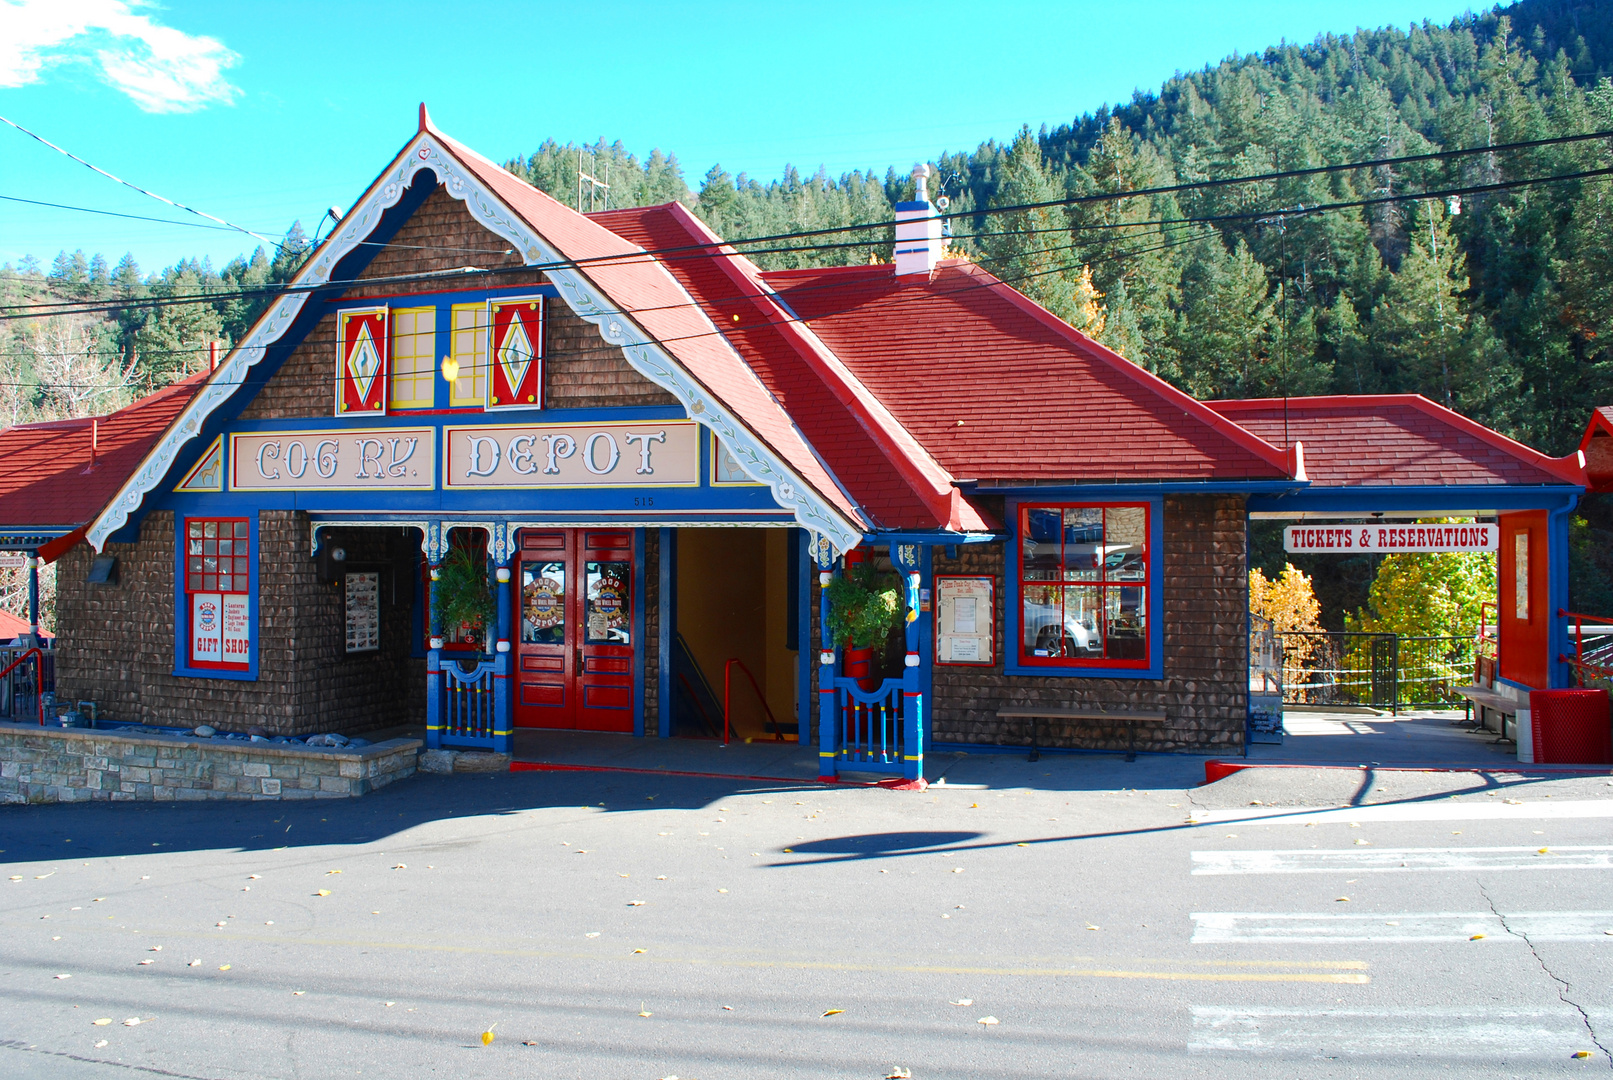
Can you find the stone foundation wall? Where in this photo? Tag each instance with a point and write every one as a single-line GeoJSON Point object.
{"type": "Point", "coordinates": [1205, 689]}
{"type": "Point", "coordinates": [45, 765]}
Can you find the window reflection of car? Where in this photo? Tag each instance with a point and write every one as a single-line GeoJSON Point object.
{"type": "Point", "coordinates": [1050, 631]}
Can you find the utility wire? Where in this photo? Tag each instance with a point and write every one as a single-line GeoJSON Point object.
{"type": "Point", "coordinates": [713, 250]}
{"type": "Point", "coordinates": [135, 187]}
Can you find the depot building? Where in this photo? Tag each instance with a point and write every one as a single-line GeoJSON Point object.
{"type": "Point", "coordinates": [656, 459]}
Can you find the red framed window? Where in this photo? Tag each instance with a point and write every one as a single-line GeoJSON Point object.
{"type": "Point", "coordinates": [1083, 584]}
{"type": "Point", "coordinates": [218, 576]}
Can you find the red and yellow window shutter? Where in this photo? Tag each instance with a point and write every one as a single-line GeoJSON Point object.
{"type": "Point", "coordinates": [517, 354]}
{"type": "Point", "coordinates": [361, 361]}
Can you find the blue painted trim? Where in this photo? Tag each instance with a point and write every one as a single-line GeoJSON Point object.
{"type": "Point", "coordinates": [1156, 598]}
{"type": "Point", "coordinates": [666, 626]}
{"type": "Point", "coordinates": [933, 537]}
{"type": "Point", "coordinates": [803, 634]}
{"type": "Point", "coordinates": [903, 207]}
{"type": "Point", "coordinates": [638, 633]}
{"type": "Point", "coordinates": [443, 299]}
{"type": "Point", "coordinates": [1516, 685]}
{"type": "Point", "coordinates": [926, 631]}
{"type": "Point", "coordinates": [1430, 500]}
{"type": "Point", "coordinates": [1119, 492]}
{"type": "Point", "coordinates": [182, 666]}
{"type": "Point", "coordinates": [1558, 639]}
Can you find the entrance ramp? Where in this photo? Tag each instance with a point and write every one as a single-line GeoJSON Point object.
{"type": "Point", "coordinates": [1432, 738]}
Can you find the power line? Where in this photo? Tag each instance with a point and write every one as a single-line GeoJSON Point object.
{"type": "Point", "coordinates": [713, 250]}
{"type": "Point", "coordinates": [127, 184]}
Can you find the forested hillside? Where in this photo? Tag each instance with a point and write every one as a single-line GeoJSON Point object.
{"type": "Point", "coordinates": [1499, 303]}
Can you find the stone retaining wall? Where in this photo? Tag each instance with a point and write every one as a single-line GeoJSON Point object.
{"type": "Point", "coordinates": [48, 765]}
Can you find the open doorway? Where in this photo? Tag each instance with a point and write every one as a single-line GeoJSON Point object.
{"type": "Point", "coordinates": [733, 627]}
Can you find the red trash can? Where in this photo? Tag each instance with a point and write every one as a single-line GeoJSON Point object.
{"type": "Point", "coordinates": [1571, 727]}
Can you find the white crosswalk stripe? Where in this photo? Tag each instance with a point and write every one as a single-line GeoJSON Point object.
{"type": "Point", "coordinates": [1441, 810]}
{"type": "Point", "coordinates": [1367, 860]}
{"type": "Point", "coordinates": [1234, 927]}
{"type": "Point", "coordinates": [1401, 1034]}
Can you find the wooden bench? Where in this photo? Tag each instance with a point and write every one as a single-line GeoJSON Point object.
{"type": "Point", "coordinates": [1482, 697]}
{"type": "Point", "coordinates": [1131, 717]}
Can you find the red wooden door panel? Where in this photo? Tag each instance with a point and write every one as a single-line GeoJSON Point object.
{"type": "Point", "coordinates": [605, 608]}
{"type": "Point", "coordinates": [544, 695]}
{"type": "Point", "coordinates": [574, 653]}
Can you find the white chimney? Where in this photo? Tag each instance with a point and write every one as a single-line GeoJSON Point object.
{"type": "Point", "coordinates": [918, 229]}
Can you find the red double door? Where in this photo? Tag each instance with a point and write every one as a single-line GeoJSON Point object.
{"type": "Point", "coordinates": [574, 650]}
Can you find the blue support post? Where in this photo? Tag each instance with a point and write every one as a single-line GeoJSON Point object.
{"type": "Point", "coordinates": [828, 744]}
{"type": "Point", "coordinates": [434, 686]}
{"type": "Point", "coordinates": [33, 597]}
{"type": "Point", "coordinates": [1557, 636]}
{"type": "Point", "coordinates": [667, 627]}
{"type": "Point", "coordinates": [503, 717]}
{"type": "Point", "coordinates": [906, 558]}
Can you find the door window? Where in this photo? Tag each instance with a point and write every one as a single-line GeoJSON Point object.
{"type": "Point", "coordinates": [543, 603]}
{"type": "Point", "coordinates": [610, 603]}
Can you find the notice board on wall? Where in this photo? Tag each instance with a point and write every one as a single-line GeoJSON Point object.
{"type": "Point", "coordinates": [363, 611]}
{"type": "Point", "coordinates": [965, 620]}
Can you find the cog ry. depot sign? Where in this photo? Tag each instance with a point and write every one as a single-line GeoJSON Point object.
{"type": "Point", "coordinates": [607, 454]}
{"type": "Point", "coordinates": [1389, 539]}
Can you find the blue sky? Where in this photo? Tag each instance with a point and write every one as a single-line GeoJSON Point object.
{"type": "Point", "coordinates": [260, 113]}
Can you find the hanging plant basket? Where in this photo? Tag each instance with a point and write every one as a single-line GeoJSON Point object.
{"type": "Point", "coordinates": [461, 595]}
{"type": "Point", "coordinates": [864, 607]}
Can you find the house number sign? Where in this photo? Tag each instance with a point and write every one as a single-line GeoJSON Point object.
{"type": "Point", "coordinates": [334, 459]}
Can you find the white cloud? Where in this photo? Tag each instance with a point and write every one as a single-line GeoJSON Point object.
{"type": "Point", "coordinates": [163, 70]}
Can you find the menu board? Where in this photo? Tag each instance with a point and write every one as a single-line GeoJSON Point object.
{"type": "Point", "coordinates": [965, 620]}
{"type": "Point", "coordinates": [363, 612]}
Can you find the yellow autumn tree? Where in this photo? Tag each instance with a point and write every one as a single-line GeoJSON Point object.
{"type": "Point", "coordinates": [1289, 601]}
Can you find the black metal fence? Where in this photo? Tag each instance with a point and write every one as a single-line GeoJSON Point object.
{"type": "Point", "coordinates": [1387, 671]}
{"type": "Point", "coordinates": [19, 690]}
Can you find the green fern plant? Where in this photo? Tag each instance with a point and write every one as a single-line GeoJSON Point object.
{"type": "Point", "coordinates": [864, 606]}
{"type": "Point", "coordinates": [461, 595]}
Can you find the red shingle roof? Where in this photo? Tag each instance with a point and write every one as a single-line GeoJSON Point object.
{"type": "Point", "coordinates": [46, 478]}
{"type": "Point", "coordinates": [1396, 439]}
{"type": "Point", "coordinates": [996, 387]}
{"type": "Point", "coordinates": [883, 467]}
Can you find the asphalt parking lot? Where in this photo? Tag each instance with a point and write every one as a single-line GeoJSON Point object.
{"type": "Point", "coordinates": [1071, 918]}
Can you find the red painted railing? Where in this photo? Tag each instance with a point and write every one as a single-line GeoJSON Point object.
{"type": "Point", "coordinates": [727, 687]}
{"type": "Point", "coordinates": [1600, 664]}
{"type": "Point", "coordinates": [39, 677]}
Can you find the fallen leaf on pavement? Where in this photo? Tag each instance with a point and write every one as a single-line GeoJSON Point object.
{"type": "Point", "coordinates": [987, 1020]}
{"type": "Point", "coordinates": [133, 1021]}
{"type": "Point", "coordinates": [100, 1044]}
{"type": "Point", "coordinates": [1544, 851]}
{"type": "Point", "coordinates": [400, 866]}
{"type": "Point", "coordinates": [143, 963]}
{"type": "Point", "coordinates": [487, 1036]}
{"type": "Point", "coordinates": [224, 967]}
{"type": "Point", "coordinates": [321, 892]}
{"type": "Point", "coordinates": [635, 903]}
{"type": "Point", "coordinates": [1341, 900]}
{"type": "Point", "coordinates": [899, 1073]}
{"type": "Point", "coordinates": [156, 948]}
{"type": "Point", "coordinates": [103, 1022]}
{"type": "Point", "coordinates": [728, 1008]}
{"type": "Point", "coordinates": [194, 963]}
{"type": "Point", "coordinates": [298, 993]}
{"type": "Point", "coordinates": [328, 873]}
{"type": "Point", "coordinates": [834, 1012]}
{"type": "Point", "coordinates": [592, 933]}
{"type": "Point", "coordinates": [642, 1011]}
{"type": "Point", "coordinates": [637, 951]}
{"type": "Point", "coordinates": [1475, 937]}
{"type": "Point", "coordinates": [962, 1001]}
{"type": "Point", "coordinates": [1582, 1054]}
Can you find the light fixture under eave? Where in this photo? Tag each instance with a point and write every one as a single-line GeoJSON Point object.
{"type": "Point", "coordinates": [450, 369]}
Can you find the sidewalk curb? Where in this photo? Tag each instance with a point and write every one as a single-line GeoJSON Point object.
{"type": "Point", "coordinates": [1220, 770]}
{"type": "Point", "coordinates": [549, 766]}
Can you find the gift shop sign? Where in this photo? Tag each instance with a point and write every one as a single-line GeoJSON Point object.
{"type": "Point", "coordinates": [220, 628]}
{"type": "Point", "coordinates": [361, 460]}
{"type": "Point", "coordinates": [659, 454]}
{"type": "Point", "coordinates": [1389, 539]}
